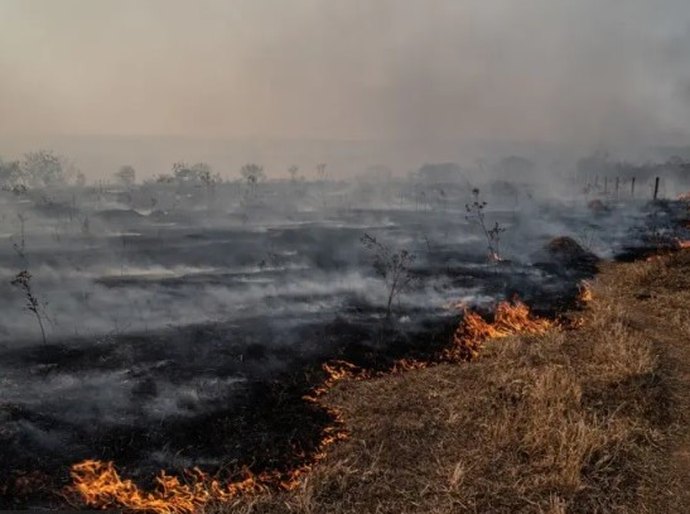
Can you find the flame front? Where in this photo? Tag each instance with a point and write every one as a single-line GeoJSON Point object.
{"type": "Point", "coordinates": [509, 319]}
{"type": "Point", "coordinates": [99, 484]}
{"type": "Point", "coordinates": [584, 293]}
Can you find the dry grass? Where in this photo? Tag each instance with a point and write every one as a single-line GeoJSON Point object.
{"type": "Point", "coordinates": [586, 420]}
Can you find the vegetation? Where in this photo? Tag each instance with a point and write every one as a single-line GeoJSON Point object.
{"type": "Point", "coordinates": [585, 420]}
{"type": "Point", "coordinates": [43, 168]}
{"type": "Point", "coordinates": [475, 214]}
{"type": "Point", "coordinates": [563, 421]}
{"type": "Point", "coordinates": [252, 174]}
{"type": "Point", "coordinates": [10, 174]}
{"type": "Point", "coordinates": [392, 266]}
{"type": "Point", "coordinates": [199, 173]}
{"type": "Point", "coordinates": [23, 281]}
{"type": "Point", "coordinates": [126, 176]}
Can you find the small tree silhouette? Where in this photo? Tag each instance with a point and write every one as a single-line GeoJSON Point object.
{"type": "Point", "coordinates": [293, 171]}
{"type": "Point", "coordinates": [475, 214]}
{"type": "Point", "coordinates": [252, 175]}
{"type": "Point", "coordinates": [126, 175]}
{"type": "Point", "coordinates": [33, 305]}
{"type": "Point", "coordinates": [393, 267]}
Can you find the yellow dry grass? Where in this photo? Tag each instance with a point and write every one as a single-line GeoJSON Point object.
{"type": "Point", "coordinates": [585, 420]}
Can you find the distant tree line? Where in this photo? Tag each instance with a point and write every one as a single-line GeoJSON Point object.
{"type": "Point", "coordinates": [41, 168]}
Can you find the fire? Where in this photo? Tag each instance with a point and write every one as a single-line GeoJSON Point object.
{"type": "Point", "coordinates": [336, 371]}
{"type": "Point", "coordinates": [584, 294]}
{"type": "Point", "coordinates": [340, 370]}
{"type": "Point", "coordinates": [494, 257]}
{"type": "Point", "coordinates": [403, 365]}
{"type": "Point", "coordinates": [509, 319]}
{"type": "Point", "coordinates": [99, 484]}
{"type": "Point", "coordinates": [681, 244]}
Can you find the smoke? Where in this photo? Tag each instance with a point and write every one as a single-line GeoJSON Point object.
{"type": "Point", "coordinates": [166, 301]}
{"type": "Point", "coordinates": [426, 76]}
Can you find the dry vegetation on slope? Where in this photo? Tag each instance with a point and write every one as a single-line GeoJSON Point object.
{"type": "Point", "coordinates": [586, 420]}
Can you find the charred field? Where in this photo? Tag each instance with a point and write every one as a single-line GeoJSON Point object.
{"type": "Point", "coordinates": [184, 326]}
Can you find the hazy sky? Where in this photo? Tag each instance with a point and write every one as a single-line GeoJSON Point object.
{"type": "Point", "coordinates": [554, 70]}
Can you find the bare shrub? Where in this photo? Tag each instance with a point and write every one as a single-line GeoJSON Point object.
{"type": "Point", "coordinates": [475, 214]}
{"type": "Point", "coordinates": [33, 305]}
{"type": "Point", "coordinates": [392, 266]}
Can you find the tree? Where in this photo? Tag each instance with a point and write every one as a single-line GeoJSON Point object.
{"type": "Point", "coordinates": [126, 175]}
{"type": "Point", "coordinates": [43, 168]}
{"type": "Point", "coordinates": [475, 214]}
{"type": "Point", "coordinates": [393, 267]}
{"type": "Point", "coordinates": [293, 171]}
{"type": "Point", "coordinates": [195, 174]}
{"type": "Point", "coordinates": [23, 282]}
{"type": "Point", "coordinates": [205, 175]}
{"type": "Point", "coordinates": [182, 172]}
{"type": "Point", "coordinates": [165, 179]}
{"type": "Point", "coordinates": [10, 174]}
{"type": "Point", "coordinates": [252, 175]}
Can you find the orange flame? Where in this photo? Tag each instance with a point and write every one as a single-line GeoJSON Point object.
{"type": "Point", "coordinates": [402, 365]}
{"type": "Point", "coordinates": [509, 319]}
{"type": "Point", "coordinates": [100, 485]}
{"type": "Point", "coordinates": [584, 294]}
{"type": "Point", "coordinates": [680, 243]}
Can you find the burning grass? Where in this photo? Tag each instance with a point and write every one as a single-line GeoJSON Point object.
{"type": "Point", "coordinates": [583, 420]}
{"type": "Point", "coordinates": [510, 318]}
{"type": "Point", "coordinates": [549, 421]}
{"type": "Point", "coordinates": [98, 484]}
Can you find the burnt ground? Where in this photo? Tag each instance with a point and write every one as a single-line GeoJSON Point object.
{"type": "Point", "coordinates": [592, 419]}
{"type": "Point", "coordinates": [261, 422]}
{"type": "Point", "coordinates": [260, 425]}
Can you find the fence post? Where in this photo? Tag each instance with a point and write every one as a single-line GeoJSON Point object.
{"type": "Point", "coordinates": [656, 188]}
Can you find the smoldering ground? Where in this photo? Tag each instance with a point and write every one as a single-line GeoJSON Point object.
{"type": "Point", "coordinates": [183, 334]}
{"type": "Point", "coordinates": [183, 322]}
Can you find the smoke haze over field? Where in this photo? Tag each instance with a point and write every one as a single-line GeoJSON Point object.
{"type": "Point", "coordinates": [203, 203]}
{"type": "Point", "coordinates": [574, 74]}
